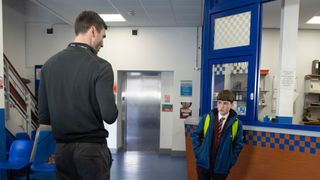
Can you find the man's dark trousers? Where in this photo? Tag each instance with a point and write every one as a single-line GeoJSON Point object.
{"type": "Point", "coordinates": [85, 161]}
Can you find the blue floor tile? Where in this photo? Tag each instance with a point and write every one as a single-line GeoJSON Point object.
{"type": "Point", "coordinates": [139, 165]}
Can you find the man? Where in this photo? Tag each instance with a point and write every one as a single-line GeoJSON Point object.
{"type": "Point", "coordinates": [75, 97]}
{"type": "Point", "coordinates": [218, 140]}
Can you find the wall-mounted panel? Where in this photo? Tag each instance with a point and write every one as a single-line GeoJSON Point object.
{"type": "Point", "coordinates": [232, 31]}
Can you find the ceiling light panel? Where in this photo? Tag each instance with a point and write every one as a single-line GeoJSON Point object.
{"type": "Point", "coordinates": [112, 17]}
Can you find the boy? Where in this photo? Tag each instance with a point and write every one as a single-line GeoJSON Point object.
{"type": "Point", "coordinates": [218, 140]}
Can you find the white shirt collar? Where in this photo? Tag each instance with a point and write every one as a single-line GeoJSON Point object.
{"type": "Point", "coordinates": [225, 116]}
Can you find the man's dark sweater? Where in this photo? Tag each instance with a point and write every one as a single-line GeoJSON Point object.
{"type": "Point", "coordinates": [76, 95]}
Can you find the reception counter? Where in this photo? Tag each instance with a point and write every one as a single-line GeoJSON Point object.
{"type": "Point", "coordinates": [283, 152]}
{"type": "Point", "coordinates": [189, 125]}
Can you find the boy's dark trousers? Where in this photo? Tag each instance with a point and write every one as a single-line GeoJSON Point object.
{"type": "Point", "coordinates": [209, 176]}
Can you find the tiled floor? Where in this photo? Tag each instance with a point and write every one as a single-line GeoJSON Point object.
{"type": "Point", "coordinates": [138, 165]}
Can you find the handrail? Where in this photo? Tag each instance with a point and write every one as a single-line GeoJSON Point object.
{"type": "Point", "coordinates": [20, 96]}
{"type": "Point", "coordinates": [17, 74]}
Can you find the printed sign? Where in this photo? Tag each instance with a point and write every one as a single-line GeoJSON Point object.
{"type": "Point", "coordinates": [186, 88]}
{"type": "Point", "coordinates": [167, 108]}
{"type": "Point", "coordinates": [167, 98]}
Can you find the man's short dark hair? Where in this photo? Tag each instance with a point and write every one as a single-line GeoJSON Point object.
{"type": "Point", "coordinates": [86, 19]}
{"type": "Point", "coordinates": [226, 95]}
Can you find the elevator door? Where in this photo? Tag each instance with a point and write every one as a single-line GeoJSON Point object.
{"type": "Point", "coordinates": [143, 93]}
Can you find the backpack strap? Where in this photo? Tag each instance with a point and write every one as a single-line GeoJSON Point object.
{"type": "Point", "coordinates": [206, 125]}
{"type": "Point", "coordinates": [235, 128]}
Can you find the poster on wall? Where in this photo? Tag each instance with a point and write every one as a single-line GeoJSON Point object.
{"type": "Point", "coordinates": [185, 110]}
{"type": "Point", "coordinates": [186, 88]}
{"type": "Point", "coordinates": [167, 107]}
{"type": "Point", "coordinates": [167, 98]}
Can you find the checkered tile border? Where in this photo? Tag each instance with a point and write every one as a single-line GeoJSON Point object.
{"type": "Point", "coordinates": [236, 68]}
{"type": "Point", "coordinates": [189, 129]}
{"type": "Point", "coordinates": [240, 68]}
{"type": "Point", "coordinates": [296, 143]}
{"type": "Point", "coordinates": [219, 69]}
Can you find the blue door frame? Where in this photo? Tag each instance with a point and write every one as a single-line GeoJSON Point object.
{"type": "Point", "coordinates": [251, 53]}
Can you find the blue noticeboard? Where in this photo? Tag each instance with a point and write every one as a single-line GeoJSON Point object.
{"type": "Point", "coordinates": [186, 88]}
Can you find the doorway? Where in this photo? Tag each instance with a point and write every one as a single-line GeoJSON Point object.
{"type": "Point", "coordinates": [140, 95]}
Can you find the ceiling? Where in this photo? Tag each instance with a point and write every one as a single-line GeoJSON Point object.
{"type": "Point", "coordinates": [155, 13]}
{"type": "Point", "coordinates": [149, 13]}
{"type": "Point", "coordinates": [308, 9]}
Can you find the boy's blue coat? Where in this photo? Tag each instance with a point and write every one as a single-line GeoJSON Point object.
{"type": "Point", "coordinates": [228, 151]}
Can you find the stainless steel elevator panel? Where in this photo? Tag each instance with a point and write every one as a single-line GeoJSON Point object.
{"type": "Point", "coordinates": [142, 99]}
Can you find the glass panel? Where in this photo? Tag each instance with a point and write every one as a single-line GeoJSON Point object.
{"type": "Point", "coordinates": [307, 64]}
{"type": "Point", "coordinates": [232, 76]}
{"type": "Point", "coordinates": [269, 61]}
{"type": "Point", "coordinates": [267, 97]}
{"type": "Point", "coordinates": [232, 31]}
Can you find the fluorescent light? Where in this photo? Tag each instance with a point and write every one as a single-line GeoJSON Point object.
{"type": "Point", "coordinates": [314, 20]}
{"type": "Point", "coordinates": [135, 73]}
{"type": "Point", "coordinates": [112, 17]}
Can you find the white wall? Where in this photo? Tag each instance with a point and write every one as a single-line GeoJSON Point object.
{"type": "Point", "coordinates": [154, 49]}
{"type": "Point", "coordinates": [14, 49]}
{"type": "Point", "coordinates": [41, 46]}
{"type": "Point", "coordinates": [158, 49]}
{"type": "Point", "coordinates": [1, 62]}
{"type": "Point", "coordinates": [14, 36]}
{"type": "Point", "coordinates": [166, 120]}
{"type": "Point", "coordinates": [307, 51]}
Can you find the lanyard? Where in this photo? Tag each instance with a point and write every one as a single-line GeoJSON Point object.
{"type": "Point", "coordinates": [83, 46]}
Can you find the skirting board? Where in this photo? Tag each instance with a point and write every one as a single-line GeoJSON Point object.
{"type": "Point", "coordinates": [172, 152]}
{"type": "Point", "coordinates": [161, 151]}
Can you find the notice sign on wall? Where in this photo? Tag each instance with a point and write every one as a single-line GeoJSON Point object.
{"type": "Point", "coordinates": [287, 79]}
{"type": "Point", "coordinates": [167, 108]}
{"type": "Point", "coordinates": [167, 98]}
{"type": "Point", "coordinates": [186, 88]}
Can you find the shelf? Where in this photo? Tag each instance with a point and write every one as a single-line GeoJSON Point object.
{"type": "Point", "coordinates": [312, 98]}
{"type": "Point", "coordinates": [264, 91]}
{"type": "Point", "coordinates": [312, 76]}
{"type": "Point", "coordinates": [312, 92]}
{"type": "Point", "coordinates": [233, 74]}
{"type": "Point", "coordinates": [314, 122]}
{"type": "Point", "coordinates": [264, 72]}
{"type": "Point", "coordinates": [239, 90]}
{"type": "Point", "coordinates": [313, 107]}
